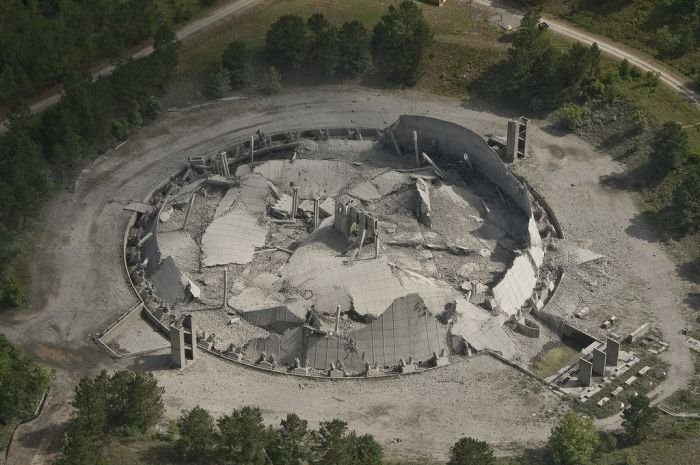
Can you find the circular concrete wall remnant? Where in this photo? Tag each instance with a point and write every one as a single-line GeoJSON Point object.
{"type": "Point", "coordinates": [343, 252]}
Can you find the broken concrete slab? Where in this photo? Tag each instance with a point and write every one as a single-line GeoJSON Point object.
{"type": "Point", "coordinates": [232, 238]}
{"type": "Point", "coordinates": [227, 202]}
{"type": "Point", "coordinates": [423, 205]}
{"type": "Point", "coordinates": [254, 192]}
{"type": "Point", "coordinates": [365, 191]}
{"type": "Point", "coordinates": [167, 282]}
{"type": "Point", "coordinates": [389, 182]}
{"type": "Point", "coordinates": [327, 207]}
{"type": "Point", "coordinates": [480, 330]}
{"type": "Point", "coordinates": [516, 286]}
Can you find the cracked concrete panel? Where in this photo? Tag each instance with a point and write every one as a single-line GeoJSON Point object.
{"type": "Point", "coordinates": [369, 286]}
{"type": "Point", "coordinates": [276, 319]}
{"type": "Point", "coordinates": [405, 329]}
{"type": "Point", "coordinates": [390, 182]}
{"type": "Point", "coordinates": [480, 330]}
{"type": "Point", "coordinates": [254, 192]}
{"type": "Point", "coordinates": [516, 287]}
{"type": "Point", "coordinates": [227, 201]}
{"type": "Point", "coordinates": [533, 233]}
{"type": "Point", "coordinates": [436, 295]}
{"type": "Point", "coordinates": [365, 191]}
{"type": "Point", "coordinates": [168, 283]}
{"type": "Point", "coordinates": [315, 178]}
{"type": "Point", "coordinates": [232, 238]}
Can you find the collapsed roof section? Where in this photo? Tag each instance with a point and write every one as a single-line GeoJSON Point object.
{"type": "Point", "coordinates": [232, 238]}
{"type": "Point", "coordinates": [406, 329]}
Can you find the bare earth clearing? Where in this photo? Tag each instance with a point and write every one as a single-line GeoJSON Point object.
{"type": "Point", "coordinates": [80, 286]}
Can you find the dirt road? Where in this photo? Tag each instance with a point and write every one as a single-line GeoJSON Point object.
{"type": "Point", "coordinates": [678, 82]}
{"type": "Point", "coordinates": [79, 286]}
{"type": "Point", "coordinates": [183, 33]}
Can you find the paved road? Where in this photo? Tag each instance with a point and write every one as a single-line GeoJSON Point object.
{"type": "Point", "coordinates": [512, 17]}
{"type": "Point", "coordinates": [235, 8]}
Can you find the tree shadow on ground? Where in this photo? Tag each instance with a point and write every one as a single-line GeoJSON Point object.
{"type": "Point", "coordinates": [32, 438]}
{"type": "Point", "coordinates": [555, 130]}
{"type": "Point", "coordinates": [628, 180]}
{"type": "Point", "coordinates": [159, 453]}
{"type": "Point", "coordinates": [643, 226]}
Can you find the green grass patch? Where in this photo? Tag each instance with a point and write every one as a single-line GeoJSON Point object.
{"type": "Point", "coordinates": [553, 359]}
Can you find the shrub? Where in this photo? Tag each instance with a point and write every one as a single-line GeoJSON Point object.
{"type": "Point", "coordinates": [217, 83]}
{"type": "Point", "coordinates": [151, 108]}
{"type": "Point", "coordinates": [236, 60]}
{"type": "Point", "coordinates": [120, 129]}
{"type": "Point", "coordinates": [12, 293]}
{"type": "Point", "coordinates": [574, 440]}
{"type": "Point", "coordinates": [134, 116]}
{"type": "Point", "coordinates": [570, 116]}
{"type": "Point", "coordinates": [272, 82]}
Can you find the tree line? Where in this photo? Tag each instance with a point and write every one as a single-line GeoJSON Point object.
{"type": "Point", "coordinates": [22, 383]}
{"type": "Point", "coordinates": [315, 47]}
{"type": "Point", "coordinates": [39, 153]}
{"type": "Point", "coordinates": [125, 403]}
{"type": "Point", "coordinates": [47, 42]}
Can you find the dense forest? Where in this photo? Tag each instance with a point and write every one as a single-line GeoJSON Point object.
{"type": "Point", "coordinates": [47, 42]}
{"type": "Point", "coordinates": [50, 42]}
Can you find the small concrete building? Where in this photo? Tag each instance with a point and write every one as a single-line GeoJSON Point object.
{"type": "Point", "coordinates": [183, 343]}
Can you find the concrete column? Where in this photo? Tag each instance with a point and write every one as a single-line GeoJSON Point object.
{"type": "Point", "coordinates": [187, 214]}
{"type": "Point", "coordinates": [598, 362]}
{"type": "Point", "coordinates": [585, 369]}
{"type": "Point", "coordinates": [252, 148]}
{"type": "Point", "coordinates": [316, 218]}
{"type": "Point", "coordinates": [511, 140]}
{"type": "Point", "coordinates": [612, 352]}
{"type": "Point", "coordinates": [295, 202]}
{"type": "Point", "coordinates": [415, 147]}
{"type": "Point", "coordinates": [144, 239]}
{"type": "Point", "coordinates": [225, 288]}
{"type": "Point", "coordinates": [376, 244]}
{"type": "Point", "coordinates": [337, 318]}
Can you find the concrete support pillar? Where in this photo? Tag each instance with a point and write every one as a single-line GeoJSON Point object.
{"type": "Point", "coordinates": [144, 239]}
{"type": "Point", "coordinates": [376, 244]}
{"type": "Point", "coordinates": [225, 288]}
{"type": "Point", "coordinates": [511, 141]}
{"type": "Point", "coordinates": [187, 213]}
{"type": "Point", "coordinates": [585, 369]}
{"type": "Point", "coordinates": [362, 242]}
{"type": "Point", "coordinates": [316, 218]}
{"type": "Point", "coordinates": [396, 144]}
{"type": "Point", "coordinates": [598, 362]}
{"type": "Point", "coordinates": [337, 318]}
{"type": "Point", "coordinates": [612, 352]}
{"type": "Point", "coordinates": [415, 147]}
{"type": "Point", "coordinates": [295, 202]}
{"type": "Point", "coordinates": [252, 148]}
